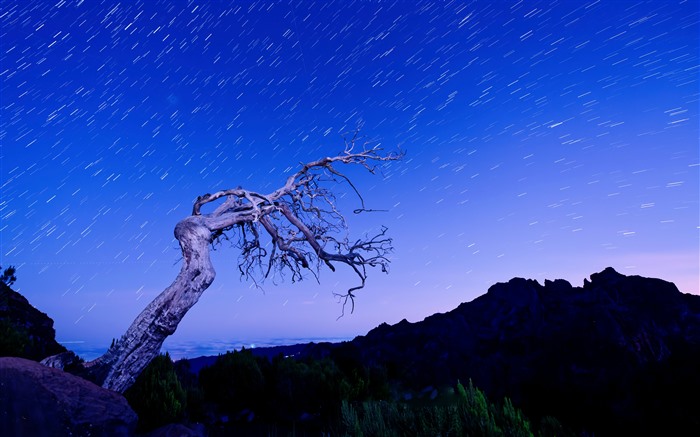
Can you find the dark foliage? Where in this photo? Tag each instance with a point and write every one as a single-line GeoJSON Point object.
{"type": "Point", "coordinates": [464, 411]}
{"type": "Point", "coordinates": [241, 394]}
{"type": "Point", "coordinates": [195, 404]}
{"type": "Point", "coordinates": [8, 276]}
{"type": "Point", "coordinates": [157, 396]}
{"type": "Point", "coordinates": [234, 383]}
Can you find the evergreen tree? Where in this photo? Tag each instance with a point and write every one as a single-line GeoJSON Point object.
{"type": "Point", "coordinates": [234, 382]}
{"type": "Point", "coordinates": [157, 396]}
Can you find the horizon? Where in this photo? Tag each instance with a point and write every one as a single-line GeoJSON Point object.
{"type": "Point", "coordinates": [199, 347]}
{"type": "Point", "coordinates": [546, 141]}
{"type": "Point", "coordinates": [195, 348]}
{"type": "Point", "coordinates": [179, 350]}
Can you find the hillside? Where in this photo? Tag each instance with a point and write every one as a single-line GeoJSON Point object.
{"type": "Point", "coordinates": [24, 330]}
{"type": "Point", "coordinates": [618, 355]}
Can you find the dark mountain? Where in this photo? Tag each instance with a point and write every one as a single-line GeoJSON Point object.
{"type": "Point", "coordinates": [25, 331]}
{"type": "Point", "coordinates": [618, 356]}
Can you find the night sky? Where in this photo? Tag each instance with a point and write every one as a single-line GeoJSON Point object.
{"type": "Point", "coordinates": [543, 139]}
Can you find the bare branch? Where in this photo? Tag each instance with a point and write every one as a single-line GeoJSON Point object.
{"type": "Point", "coordinates": [302, 221]}
{"type": "Point", "coordinates": [303, 230]}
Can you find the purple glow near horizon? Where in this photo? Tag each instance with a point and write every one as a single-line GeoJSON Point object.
{"type": "Point", "coordinates": [544, 140]}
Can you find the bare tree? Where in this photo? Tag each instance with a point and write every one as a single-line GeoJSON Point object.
{"type": "Point", "coordinates": [293, 229]}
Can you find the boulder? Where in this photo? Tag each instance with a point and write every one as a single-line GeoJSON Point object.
{"type": "Point", "coordinates": [36, 400]}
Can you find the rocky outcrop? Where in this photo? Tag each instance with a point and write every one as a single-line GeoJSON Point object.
{"type": "Point", "coordinates": [617, 356]}
{"type": "Point", "coordinates": [33, 328]}
{"type": "Point", "coordinates": [39, 401]}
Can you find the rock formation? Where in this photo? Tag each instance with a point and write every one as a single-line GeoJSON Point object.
{"type": "Point", "coordinates": [619, 355]}
{"type": "Point", "coordinates": [36, 400]}
{"type": "Point", "coordinates": [18, 314]}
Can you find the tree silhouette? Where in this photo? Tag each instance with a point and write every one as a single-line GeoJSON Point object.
{"type": "Point", "coordinates": [295, 229]}
{"type": "Point", "coordinates": [8, 276]}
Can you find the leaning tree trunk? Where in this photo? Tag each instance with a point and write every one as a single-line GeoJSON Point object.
{"type": "Point", "coordinates": [118, 368]}
{"type": "Point", "coordinates": [301, 221]}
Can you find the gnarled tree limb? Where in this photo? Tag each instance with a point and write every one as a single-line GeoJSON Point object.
{"type": "Point", "coordinates": [303, 228]}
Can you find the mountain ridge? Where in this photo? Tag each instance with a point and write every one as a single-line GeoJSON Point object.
{"type": "Point", "coordinates": [597, 356]}
{"type": "Point", "coordinates": [617, 355]}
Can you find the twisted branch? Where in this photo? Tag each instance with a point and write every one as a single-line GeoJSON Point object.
{"type": "Point", "coordinates": [301, 222]}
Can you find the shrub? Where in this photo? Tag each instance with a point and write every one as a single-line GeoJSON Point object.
{"type": "Point", "coordinates": [475, 411]}
{"type": "Point", "coordinates": [234, 382]}
{"type": "Point", "coordinates": [157, 396]}
{"type": "Point", "coordinates": [467, 413]}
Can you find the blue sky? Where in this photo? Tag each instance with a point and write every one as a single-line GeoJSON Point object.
{"type": "Point", "coordinates": [544, 140]}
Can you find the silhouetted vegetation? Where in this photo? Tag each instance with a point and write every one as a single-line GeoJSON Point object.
{"type": "Point", "coordinates": [157, 396]}
{"type": "Point", "coordinates": [248, 395]}
{"type": "Point", "coordinates": [8, 276]}
{"type": "Point", "coordinates": [454, 412]}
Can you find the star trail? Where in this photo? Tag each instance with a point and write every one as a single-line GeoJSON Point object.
{"type": "Point", "coordinates": [543, 139]}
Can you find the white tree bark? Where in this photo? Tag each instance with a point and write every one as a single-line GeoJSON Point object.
{"type": "Point", "coordinates": [118, 368]}
{"type": "Point", "coordinates": [301, 224]}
